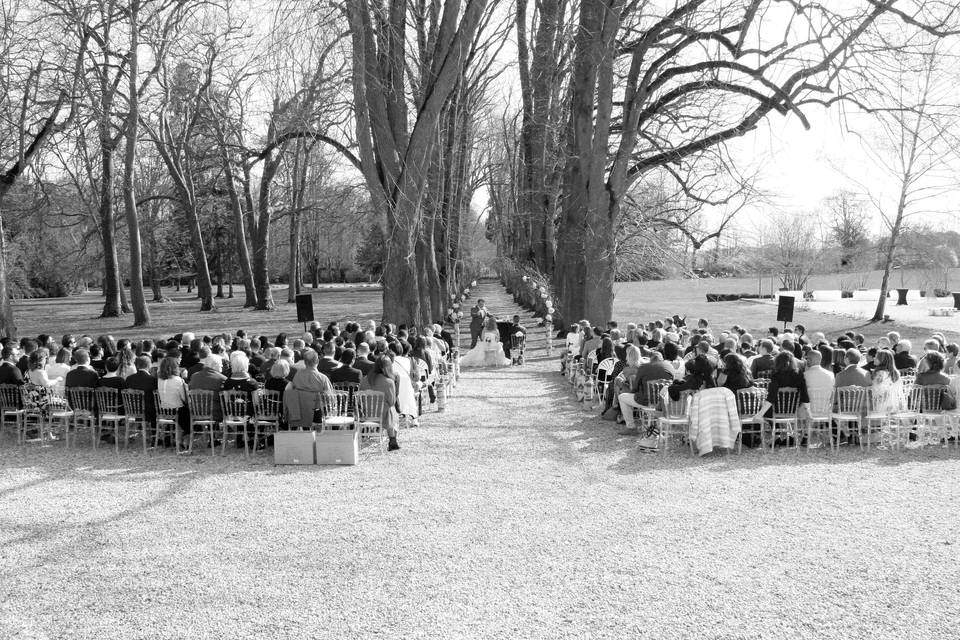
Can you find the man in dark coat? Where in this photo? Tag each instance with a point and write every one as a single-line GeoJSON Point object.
{"type": "Point", "coordinates": [346, 372]}
{"type": "Point", "coordinates": [362, 362]}
{"type": "Point", "coordinates": [145, 382]}
{"type": "Point", "coordinates": [83, 375]}
{"type": "Point", "coordinates": [9, 373]}
{"type": "Point", "coordinates": [478, 314]}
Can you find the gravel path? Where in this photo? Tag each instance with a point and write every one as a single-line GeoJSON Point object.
{"type": "Point", "coordinates": [515, 514]}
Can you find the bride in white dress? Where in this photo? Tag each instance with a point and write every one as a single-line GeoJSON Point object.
{"type": "Point", "coordinates": [489, 350]}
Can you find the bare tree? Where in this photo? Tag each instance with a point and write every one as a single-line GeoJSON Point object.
{"type": "Point", "coordinates": [39, 99]}
{"type": "Point", "coordinates": [652, 87]}
{"type": "Point", "coordinates": [915, 145]}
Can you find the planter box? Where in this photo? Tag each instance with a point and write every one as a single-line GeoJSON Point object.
{"type": "Point", "coordinates": [827, 295]}
{"type": "Point", "coordinates": [796, 295]}
{"type": "Point", "coordinates": [338, 447]}
{"type": "Point", "coordinates": [942, 312]}
{"type": "Point", "coordinates": [294, 447]}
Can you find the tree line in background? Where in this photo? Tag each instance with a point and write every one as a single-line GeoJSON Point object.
{"type": "Point", "coordinates": [241, 141]}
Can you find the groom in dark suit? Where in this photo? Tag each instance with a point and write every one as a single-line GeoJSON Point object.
{"type": "Point", "coordinates": [477, 315]}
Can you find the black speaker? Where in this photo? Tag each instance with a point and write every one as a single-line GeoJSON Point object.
{"type": "Point", "coordinates": [785, 309]}
{"type": "Point", "coordinates": [305, 307]}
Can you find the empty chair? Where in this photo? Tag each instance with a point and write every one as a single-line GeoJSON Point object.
{"type": "Point", "coordinates": [83, 401]}
{"type": "Point", "coordinates": [336, 411]}
{"type": "Point", "coordinates": [201, 403]}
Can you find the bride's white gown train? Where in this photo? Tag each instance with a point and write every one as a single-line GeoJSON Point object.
{"type": "Point", "coordinates": [487, 353]}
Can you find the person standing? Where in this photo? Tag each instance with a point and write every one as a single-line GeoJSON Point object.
{"type": "Point", "coordinates": [477, 316]}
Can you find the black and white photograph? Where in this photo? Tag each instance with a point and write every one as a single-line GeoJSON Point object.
{"type": "Point", "coordinates": [492, 319]}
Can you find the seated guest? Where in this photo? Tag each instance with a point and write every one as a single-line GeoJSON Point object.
{"type": "Point", "coordinates": [145, 382]}
{"type": "Point", "coordinates": [61, 367]}
{"type": "Point", "coordinates": [763, 363]}
{"type": "Point", "coordinates": [205, 355]}
{"type": "Point", "coordinates": [735, 375]}
{"type": "Point", "coordinates": [301, 398]}
{"type": "Point", "coordinates": [172, 390]}
{"type": "Point", "coordinates": [934, 376]}
{"type": "Point", "coordinates": [96, 359]}
{"type": "Point", "coordinates": [126, 366]}
{"type": "Point", "coordinates": [950, 364]}
{"type": "Point", "coordinates": [328, 362]}
{"type": "Point", "coordinates": [700, 375]}
{"type": "Point", "coordinates": [9, 373]}
{"type": "Point", "coordinates": [852, 375]}
{"type": "Point", "coordinates": [381, 378]}
{"type": "Point", "coordinates": [346, 372]}
{"type": "Point", "coordinates": [209, 378]}
{"type": "Point", "coordinates": [83, 374]}
{"type": "Point", "coordinates": [310, 378]}
{"type": "Point", "coordinates": [112, 379]}
{"type": "Point", "coordinates": [886, 385]}
{"type": "Point", "coordinates": [362, 362]}
{"type": "Point", "coordinates": [820, 382]}
{"type": "Point", "coordinates": [37, 373]}
{"type": "Point", "coordinates": [636, 396]}
{"type": "Point", "coordinates": [902, 357]}
{"type": "Point", "coordinates": [786, 375]}
{"type": "Point", "coordinates": [240, 379]}
{"type": "Point", "coordinates": [279, 377]}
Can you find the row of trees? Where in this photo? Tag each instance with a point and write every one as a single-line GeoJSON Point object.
{"type": "Point", "coordinates": [191, 133]}
{"type": "Point", "coordinates": [626, 102]}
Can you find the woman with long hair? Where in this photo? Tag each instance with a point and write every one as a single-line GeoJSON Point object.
{"type": "Point", "coordinates": [407, 377]}
{"type": "Point", "coordinates": [381, 378]}
{"type": "Point", "coordinates": [885, 383]}
{"type": "Point", "coordinates": [736, 376]}
{"type": "Point", "coordinates": [172, 390]}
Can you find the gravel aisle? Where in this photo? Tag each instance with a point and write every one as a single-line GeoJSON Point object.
{"type": "Point", "coordinates": [515, 514]}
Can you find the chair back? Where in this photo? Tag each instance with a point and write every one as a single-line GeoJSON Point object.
{"type": "Point", "coordinates": [761, 383]}
{"type": "Point", "coordinates": [654, 389]}
{"type": "Point", "coordinates": [884, 399]}
{"type": "Point", "coordinates": [267, 406]}
{"type": "Point", "coordinates": [108, 401]}
{"type": "Point", "coordinates": [678, 408]}
{"type": "Point", "coordinates": [850, 400]}
{"type": "Point", "coordinates": [134, 403]}
{"type": "Point", "coordinates": [370, 405]}
{"type": "Point", "coordinates": [931, 398]}
{"type": "Point", "coordinates": [335, 404]}
{"type": "Point", "coordinates": [83, 400]}
{"type": "Point", "coordinates": [821, 402]}
{"type": "Point", "coordinates": [233, 402]}
{"type": "Point", "coordinates": [201, 403]}
{"type": "Point", "coordinates": [10, 398]}
{"type": "Point", "coordinates": [764, 374]}
{"type": "Point", "coordinates": [604, 369]}
{"type": "Point", "coordinates": [164, 413]}
{"type": "Point", "coordinates": [909, 371]}
{"type": "Point", "coordinates": [786, 402]}
{"type": "Point", "coordinates": [749, 401]}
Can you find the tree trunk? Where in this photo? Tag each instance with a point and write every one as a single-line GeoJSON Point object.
{"type": "Point", "coordinates": [401, 289]}
{"type": "Point", "coordinates": [239, 232]}
{"type": "Point", "coordinates": [111, 271]}
{"type": "Point", "coordinates": [141, 313]}
{"type": "Point", "coordinates": [8, 327]}
{"type": "Point", "coordinates": [204, 282]}
{"type": "Point", "coordinates": [293, 268]}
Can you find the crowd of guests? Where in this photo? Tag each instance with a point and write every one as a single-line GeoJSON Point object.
{"type": "Point", "coordinates": [695, 358]}
{"type": "Point", "coordinates": [399, 361]}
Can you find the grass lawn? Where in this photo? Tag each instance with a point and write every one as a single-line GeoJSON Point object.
{"type": "Point", "coordinates": [647, 301]}
{"type": "Point", "coordinates": [79, 314]}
